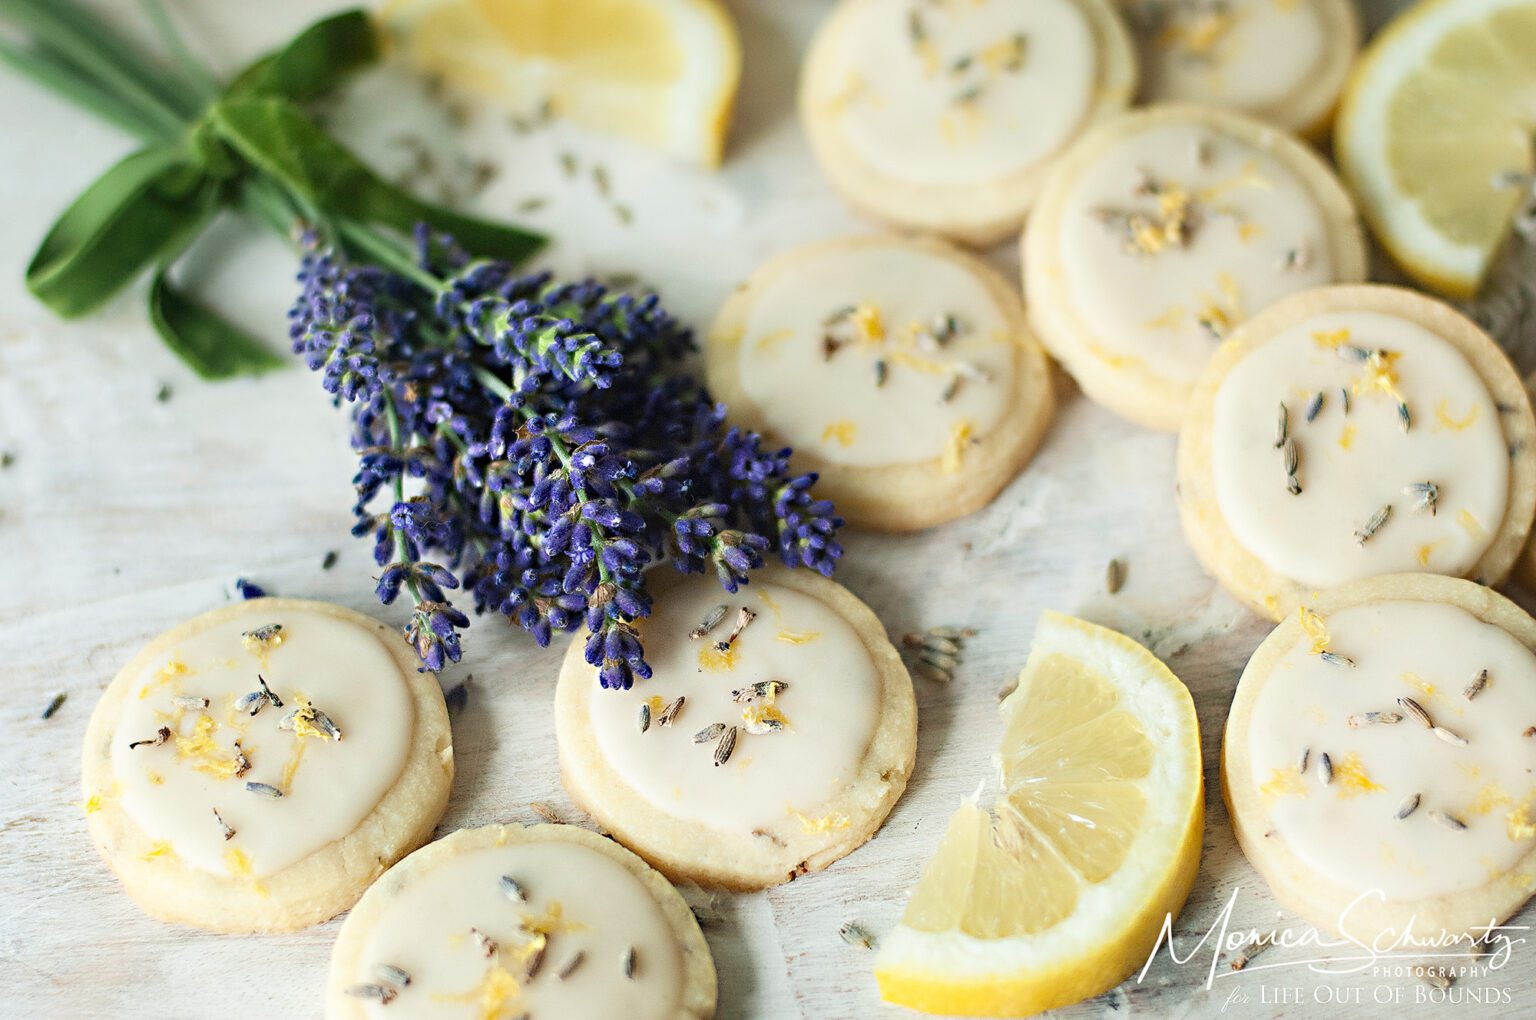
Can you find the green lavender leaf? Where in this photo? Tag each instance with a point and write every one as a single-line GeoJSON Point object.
{"type": "Point", "coordinates": [317, 60]}
{"type": "Point", "coordinates": [147, 206]}
{"type": "Point", "coordinates": [211, 345]}
{"type": "Point", "coordinates": [277, 139]}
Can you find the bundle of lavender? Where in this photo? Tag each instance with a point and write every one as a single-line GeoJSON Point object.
{"type": "Point", "coordinates": [557, 448]}
{"type": "Point", "coordinates": [551, 445]}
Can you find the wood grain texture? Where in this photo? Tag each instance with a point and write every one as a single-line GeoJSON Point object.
{"type": "Point", "coordinates": [122, 514]}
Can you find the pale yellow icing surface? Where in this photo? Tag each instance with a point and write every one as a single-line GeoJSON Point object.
{"type": "Point", "coordinates": [828, 710]}
{"type": "Point", "coordinates": [1347, 830]}
{"type": "Point", "coordinates": [846, 354]}
{"type": "Point", "coordinates": [171, 790]}
{"type": "Point", "coordinates": [962, 91]}
{"type": "Point", "coordinates": [577, 899]}
{"type": "Point", "coordinates": [1352, 463]}
{"type": "Point", "coordinates": [1148, 297]}
{"type": "Point", "coordinates": [1244, 54]}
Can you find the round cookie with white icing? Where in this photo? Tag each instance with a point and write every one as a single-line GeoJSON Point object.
{"type": "Point", "coordinates": [1160, 233]}
{"type": "Point", "coordinates": [1378, 763]}
{"type": "Point", "coordinates": [256, 767]}
{"type": "Point", "coordinates": [770, 745]}
{"type": "Point", "coordinates": [1282, 61]}
{"type": "Point", "coordinates": [543, 923]}
{"type": "Point", "coordinates": [1353, 431]}
{"type": "Point", "coordinates": [944, 117]}
{"type": "Point", "coordinates": [901, 370]}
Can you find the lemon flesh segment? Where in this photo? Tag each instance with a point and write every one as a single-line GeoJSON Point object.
{"type": "Point", "coordinates": [1442, 107]}
{"type": "Point", "coordinates": [1059, 891]}
{"type": "Point", "coordinates": [659, 72]}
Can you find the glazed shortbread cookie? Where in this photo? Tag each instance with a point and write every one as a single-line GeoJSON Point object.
{"type": "Point", "coordinates": [1525, 567]}
{"type": "Point", "coordinates": [944, 116]}
{"type": "Point", "coordinates": [256, 767]}
{"type": "Point", "coordinates": [902, 371]}
{"type": "Point", "coordinates": [1282, 61]}
{"type": "Point", "coordinates": [1378, 758]}
{"type": "Point", "coordinates": [548, 922]}
{"type": "Point", "coordinates": [1162, 231]}
{"type": "Point", "coordinates": [772, 743]}
{"type": "Point", "coordinates": [1353, 431]}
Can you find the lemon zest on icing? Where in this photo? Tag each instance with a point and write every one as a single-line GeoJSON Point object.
{"type": "Point", "coordinates": [842, 432]}
{"type": "Point", "coordinates": [1444, 420]}
{"type": "Point", "coordinates": [1315, 629]}
{"type": "Point", "coordinates": [954, 449]}
{"type": "Point", "coordinates": [1351, 779]}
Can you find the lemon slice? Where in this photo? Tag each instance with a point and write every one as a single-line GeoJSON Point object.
{"type": "Point", "coordinates": [1437, 117]}
{"type": "Point", "coordinates": [1060, 891]}
{"type": "Point", "coordinates": [659, 72]}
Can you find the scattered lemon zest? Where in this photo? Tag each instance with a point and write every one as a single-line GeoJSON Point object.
{"type": "Point", "coordinates": [1444, 420]}
{"type": "Point", "coordinates": [1170, 229]}
{"type": "Point", "coordinates": [842, 432]}
{"type": "Point", "coordinates": [1428, 689]}
{"type": "Point", "coordinates": [1112, 359]}
{"type": "Point", "coordinates": [854, 86]}
{"type": "Point", "coordinates": [867, 323]}
{"type": "Point", "coordinates": [164, 675]}
{"type": "Point", "coordinates": [1471, 524]}
{"type": "Point", "coordinates": [155, 778]}
{"type": "Point", "coordinates": [1351, 779]}
{"type": "Point", "coordinates": [1283, 782]}
{"type": "Point", "coordinates": [551, 922]}
{"type": "Point", "coordinates": [1168, 320]}
{"type": "Point", "coordinates": [1347, 436]}
{"type": "Point", "coordinates": [494, 993]}
{"type": "Point", "coordinates": [204, 753]}
{"type": "Point", "coordinates": [1427, 550]}
{"type": "Point", "coordinates": [292, 768]}
{"type": "Point", "coordinates": [1379, 376]}
{"type": "Point", "coordinates": [726, 338]}
{"type": "Point", "coordinates": [1248, 176]}
{"type": "Point", "coordinates": [259, 643]}
{"type": "Point", "coordinates": [797, 637]}
{"type": "Point", "coordinates": [954, 449]}
{"type": "Point", "coordinates": [831, 822]}
{"type": "Point", "coordinates": [160, 848]}
{"type": "Point", "coordinates": [1490, 796]}
{"type": "Point", "coordinates": [960, 124]}
{"type": "Point", "coordinates": [770, 340]}
{"type": "Point", "coordinates": [1518, 823]}
{"type": "Point", "coordinates": [919, 363]}
{"type": "Point", "coordinates": [1315, 629]}
{"type": "Point", "coordinates": [713, 660]}
{"type": "Point", "coordinates": [1330, 340]}
{"type": "Point", "coordinates": [92, 804]}
{"type": "Point", "coordinates": [1199, 36]}
{"type": "Point", "coordinates": [758, 712]}
{"type": "Point", "coordinates": [239, 866]}
{"type": "Point", "coordinates": [1248, 231]}
{"type": "Point", "coordinates": [655, 704]}
{"type": "Point", "coordinates": [1272, 604]}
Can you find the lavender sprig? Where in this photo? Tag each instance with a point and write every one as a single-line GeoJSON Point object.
{"type": "Point", "coordinates": [553, 447]}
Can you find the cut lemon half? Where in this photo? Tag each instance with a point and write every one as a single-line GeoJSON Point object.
{"type": "Point", "coordinates": [1435, 129]}
{"type": "Point", "coordinates": [1059, 892]}
{"type": "Point", "coordinates": [659, 72]}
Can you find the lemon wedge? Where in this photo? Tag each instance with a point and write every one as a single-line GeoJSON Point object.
{"type": "Point", "coordinates": [1060, 891]}
{"type": "Point", "coordinates": [659, 72]}
{"type": "Point", "coordinates": [1435, 132]}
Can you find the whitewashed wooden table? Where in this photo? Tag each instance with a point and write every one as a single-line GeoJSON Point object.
{"type": "Point", "coordinates": [123, 513]}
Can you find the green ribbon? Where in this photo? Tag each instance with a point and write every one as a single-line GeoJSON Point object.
{"type": "Point", "coordinates": [143, 213]}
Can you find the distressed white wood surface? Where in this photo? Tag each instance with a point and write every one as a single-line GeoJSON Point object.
{"type": "Point", "coordinates": [123, 514]}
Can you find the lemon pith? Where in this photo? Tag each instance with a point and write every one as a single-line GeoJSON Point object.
{"type": "Point", "coordinates": [1059, 892]}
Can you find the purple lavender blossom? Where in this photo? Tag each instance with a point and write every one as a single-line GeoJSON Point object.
{"type": "Point", "coordinates": [552, 448]}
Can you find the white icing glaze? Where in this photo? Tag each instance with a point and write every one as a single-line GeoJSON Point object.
{"type": "Point", "coordinates": [1348, 830]}
{"type": "Point", "coordinates": [1248, 210]}
{"type": "Point", "coordinates": [833, 405]}
{"type": "Point", "coordinates": [1245, 54]}
{"type": "Point", "coordinates": [603, 910]}
{"type": "Point", "coordinates": [171, 790]}
{"type": "Point", "coordinates": [830, 709]}
{"type": "Point", "coordinates": [900, 101]}
{"type": "Point", "coordinates": [1455, 440]}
